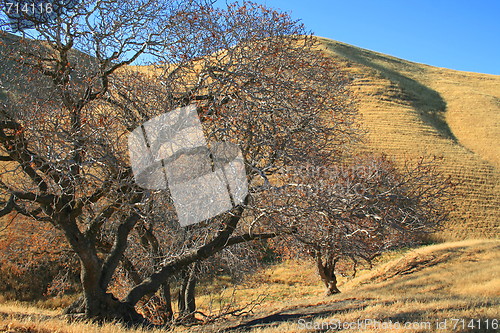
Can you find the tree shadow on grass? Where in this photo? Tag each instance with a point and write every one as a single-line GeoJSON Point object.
{"type": "Point", "coordinates": [310, 313]}
{"type": "Point", "coordinates": [416, 319]}
{"type": "Point", "coordinates": [426, 101]}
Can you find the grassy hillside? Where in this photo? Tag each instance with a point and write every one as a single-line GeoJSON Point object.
{"type": "Point", "coordinates": [421, 287]}
{"type": "Point", "coordinates": [412, 110]}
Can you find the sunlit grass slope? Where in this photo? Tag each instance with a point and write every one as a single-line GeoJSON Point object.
{"type": "Point", "coordinates": [421, 287]}
{"type": "Point", "coordinates": [413, 110]}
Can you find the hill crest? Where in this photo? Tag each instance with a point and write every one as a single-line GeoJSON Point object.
{"type": "Point", "coordinates": [412, 110]}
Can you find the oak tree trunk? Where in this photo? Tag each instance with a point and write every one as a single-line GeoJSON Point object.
{"type": "Point", "coordinates": [95, 303]}
{"type": "Point", "coordinates": [186, 301]}
{"type": "Point", "coordinates": [326, 271]}
{"type": "Point", "coordinates": [166, 296]}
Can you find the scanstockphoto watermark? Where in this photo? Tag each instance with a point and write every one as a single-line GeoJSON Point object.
{"type": "Point", "coordinates": [454, 324]}
{"type": "Point", "coordinates": [171, 152]}
{"type": "Point", "coordinates": [307, 170]}
{"type": "Point", "coordinates": [363, 324]}
{"type": "Point", "coordinates": [324, 180]}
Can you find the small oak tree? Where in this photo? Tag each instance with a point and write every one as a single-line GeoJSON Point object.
{"type": "Point", "coordinates": [351, 212]}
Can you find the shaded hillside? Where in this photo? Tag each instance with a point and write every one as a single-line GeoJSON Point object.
{"type": "Point", "coordinates": [412, 110]}
{"type": "Point", "coordinates": [17, 81]}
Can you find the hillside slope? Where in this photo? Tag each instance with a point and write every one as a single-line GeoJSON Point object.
{"type": "Point", "coordinates": [421, 288]}
{"type": "Point", "coordinates": [411, 110]}
{"type": "Point", "coordinates": [414, 110]}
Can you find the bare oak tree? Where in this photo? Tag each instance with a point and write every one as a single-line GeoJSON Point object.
{"type": "Point", "coordinates": [351, 212]}
{"type": "Point", "coordinates": [71, 93]}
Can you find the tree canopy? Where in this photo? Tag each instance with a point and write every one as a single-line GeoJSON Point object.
{"type": "Point", "coordinates": [74, 88]}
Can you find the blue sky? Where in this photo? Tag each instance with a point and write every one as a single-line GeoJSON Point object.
{"type": "Point", "coordinates": [458, 34]}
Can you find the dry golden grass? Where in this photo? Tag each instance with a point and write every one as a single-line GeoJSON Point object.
{"type": "Point", "coordinates": [411, 110]}
{"type": "Point", "coordinates": [292, 280]}
{"type": "Point", "coordinates": [287, 280]}
{"type": "Point", "coordinates": [62, 326]}
{"type": "Point", "coordinates": [428, 285]}
{"type": "Point", "coordinates": [431, 284]}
